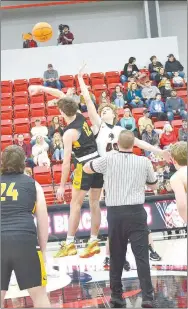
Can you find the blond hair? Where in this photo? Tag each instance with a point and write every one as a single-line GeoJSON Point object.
{"type": "Point", "coordinates": [57, 141]}
{"type": "Point", "coordinates": [179, 153]}
{"type": "Point", "coordinates": [113, 108]}
{"type": "Point", "coordinates": [166, 126]}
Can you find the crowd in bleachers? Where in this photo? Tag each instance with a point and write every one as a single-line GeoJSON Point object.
{"type": "Point", "coordinates": [150, 103]}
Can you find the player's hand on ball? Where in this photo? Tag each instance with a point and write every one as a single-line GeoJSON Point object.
{"type": "Point", "coordinates": [35, 89]}
{"type": "Point", "coordinates": [60, 193]}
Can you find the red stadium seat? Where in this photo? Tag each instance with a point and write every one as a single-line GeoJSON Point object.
{"type": "Point", "coordinates": [38, 110]}
{"type": "Point", "coordinates": [50, 97]}
{"type": "Point", "coordinates": [112, 87]}
{"type": "Point", "coordinates": [112, 77]}
{"type": "Point", "coordinates": [6, 112]}
{"type": "Point", "coordinates": [20, 85]}
{"type": "Point", "coordinates": [176, 124]}
{"type": "Point", "coordinates": [85, 78]}
{"type": "Point", "coordinates": [6, 127]}
{"type": "Point", "coordinates": [43, 175]}
{"type": "Point", "coordinates": [21, 111]}
{"type": "Point", "coordinates": [120, 112]}
{"type": "Point", "coordinates": [78, 90]}
{"type": "Point", "coordinates": [38, 98]}
{"type": "Point", "coordinates": [53, 111]}
{"type": "Point", "coordinates": [56, 171]}
{"type": "Point", "coordinates": [97, 78]}
{"type": "Point", "coordinates": [181, 93]}
{"type": "Point", "coordinates": [21, 125]}
{"type": "Point", "coordinates": [68, 80]}
{"type": "Point", "coordinates": [49, 195]}
{"type": "Point", "coordinates": [6, 140]}
{"type": "Point", "coordinates": [43, 121]}
{"type": "Point", "coordinates": [36, 81]}
{"type": "Point", "coordinates": [137, 113]}
{"type": "Point", "coordinates": [159, 124]}
{"type": "Point", "coordinates": [98, 89]}
{"type": "Point", "coordinates": [27, 137]}
{"type": "Point", "coordinates": [6, 99]}
{"type": "Point", "coordinates": [6, 86]}
{"type": "Point", "coordinates": [20, 98]}
{"type": "Point", "coordinates": [137, 151]}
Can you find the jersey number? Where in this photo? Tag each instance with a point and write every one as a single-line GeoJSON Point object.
{"type": "Point", "coordinates": [10, 191]}
{"type": "Point", "coordinates": [87, 129]}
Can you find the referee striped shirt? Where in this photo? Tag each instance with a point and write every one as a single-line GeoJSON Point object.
{"type": "Point", "coordinates": [125, 177]}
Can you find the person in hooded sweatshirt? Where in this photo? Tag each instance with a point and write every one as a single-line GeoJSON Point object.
{"type": "Point", "coordinates": [173, 65]}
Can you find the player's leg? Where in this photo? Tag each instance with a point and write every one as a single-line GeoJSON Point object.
{"type": "Point", "coordinates": [39, 297]}
{"type": "Point", "coordinates": [154, 256]}
{"type": "Point", "coordinates": [3, 293]}
{"type": "Point", "coordinates": [6, 266]}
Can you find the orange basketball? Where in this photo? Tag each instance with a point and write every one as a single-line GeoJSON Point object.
{"type": "Point", "coordinates": [42, 32]}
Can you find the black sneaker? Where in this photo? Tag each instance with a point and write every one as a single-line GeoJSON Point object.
{"type": "Point", "coordinates": [126, 266]}
{"type": "Point", "coordinates": [154, 256]}
{"type": "Point", "coordinates": [106, 263]}
{"type": "Point", "coordinates": [117, 302]}
{"type": "Point", "coordinates": [150, 304]}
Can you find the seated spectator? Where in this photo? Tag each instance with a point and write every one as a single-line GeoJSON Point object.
{"type": "Point", "coordinates": [118, 97]}
{"type": "Point", "coordinates": [128, 122]}
{"type": "Point", "coordinates": [132, 79]}
{"type": "Point", "coordinates": [172, 65]}
{"type": "Point", "coordinates": [151, 137]}
{"type": "Point", "coordinates": [144, 121]}
{"type": "Point", "coordinates": [182, 132]}
{"type": "Point", "coordinates": [39, 152]}
{"type": "Point", "coordinates": [157, 108]}
{"type": "Point", "coordinates": [166, 90]}
{"type": "Point", "coordinates": [130, 68]}
{"type": "Point", "coordinates": [28, 41]}
{"type": "Point", "coordinates": [27, 149]}
{"type": "Point", "coordinates": [57, 147]}
{"type": "Point", "coordinates": [75, 96]}
{"type": "Point", "coordinates": [177, 80]}
{"type": "Point", "coordinates": [149, 92]}
{"type": "Point", "coordinates": [168, 136]}
{"type": "Point", "coordinates": [65, 37]}
{"type": "Point", "coordinates": [175, 106]}
{"type": "Point", "coordinates": [134, 96]}
{"type": "Point", "coordinates": [28, 171]}
{"type": "Point", "coordinates": [55, 127]}
{"type": "Point", "coordinates": [154, 67]}
{"type": "Point", "coordinates": [39, 130]}
{"type": "Point", "coordinates": [82, 105]}
{"type": "Point", "coordinates": [161, 77]}
{"type": "Point", "coordinates": [51, 78]}
{"type": "Point", "coordinates": [104, 98]}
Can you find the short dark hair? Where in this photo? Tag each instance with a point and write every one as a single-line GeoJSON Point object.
{"type": "Point", "coordinates": [13, 160]}
{"type": "Point", "coordinates": [68, 106]}
{"type": "Point", "coordinates": [152, 57]}
{"type": "Point", "coordinates": [132, 59]}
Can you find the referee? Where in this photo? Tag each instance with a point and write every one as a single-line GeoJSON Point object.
{"type": "Point", "coordinates": [125, 177]}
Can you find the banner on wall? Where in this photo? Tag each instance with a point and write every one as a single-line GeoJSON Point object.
{"type": "Point", "coordinates": [162, 215]}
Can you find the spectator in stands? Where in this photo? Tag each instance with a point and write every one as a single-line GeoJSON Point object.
{"type": "Point", "coordinates": [27, 149]}
{"type": "Point", "coordinates": [75, 96]}
{"type": "Point", "coordinates": [130, 69]}
{"type": "Point", "coordinates": [154, 67]}
{"type": "Point", "coordinates": [65, 37]}
{"type": "Point", "coordinates": [132, 79]}
{"type": "Point", "coordinates": [83, 107]}
{"type": "Point", "coordinates": [172, 65]}
{"type": "Point", "coordinates": [40, 152]}
{"type": "Point", "coordinates": [166, 90]}
{"type": "Point", "coordinates": [150, 136]}
{"type": "Point", "coordinates": [57, 147]}
{"type": "Point", "coordinates": [149, 92]}
{"type": "Point", "coordinates": [39, 130]}
{"type": "Point", "coordinates": [28, 41]}
{"type": "Point", "coordinates": [104, 98]}
{"type": "Point", "coordinates": [128, 122]}
{"type": "Point", "coordinates": [134, 96]}
{"type": "Point", "coordinates": [177, 80]}
{"type": "Point", "coordinates": [175, 106]}
{"type": "Point", "coordinates": [182, 132]}
{"type": "Point", "coordinates": [168, 136]}
{"type": "Point", "coordinates": [51, 78]}
{"type": "Point", "coordinates": [28, 171]}
{"type": "Point", "coordinates": [144, 121]}
{"type": "Point", "coordinates": [118, 97]}
{"type": "Point", "coordinates": [161, 77]}
{"type": "Point", "coordinates": [157, 108]}
{"type": "Point", "coordinates": [55, 127]}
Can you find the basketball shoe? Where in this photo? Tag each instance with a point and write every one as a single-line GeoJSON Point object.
{"type": "Point", "coordinates": [66, 250]}
{"type": "Point", "coordinates": [91, 249]}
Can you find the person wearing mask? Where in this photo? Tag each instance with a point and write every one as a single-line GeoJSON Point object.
{"type": "Point", "coordinates": [104, 98]}
{"type": "Point", "coordinates": [172, 65]}
{"type": "Point", "coordinates": [177, 80]}
{"type": "Point", "coordinates": [130, 69]}
{"type": "Point", "coordinates": [157, 108]}
{"type": "Point", "coordinates": [128, 122]}
{"type": "Point", "coordinates": [151, 137]}
{"type": "Point", "coordinates": [182, 132]}
{"type": "Point", "coordinates": [144, 121]}
{"type": "Point", "coordinates": [175, 106]}
{"type": "Point", "coordinates": [51, 78]}
{"type": "Point", "coordinates": [38, 129]}
{"type": "Point", "coordinates": [40, 152]}
{"type": "Point", "coordinates": [154, 67]}
{"type": "Point", "coordinates": [168, 136]}
{"type": "Point", "coordinates": [161, 77]}
{"type": "Point", "coordinates": [134, 96]}
{"type": "Point", "coordinates": [118, 97]}
{"type": "Point", "coordinates": [166, 90]}
{"type": "Point", "coordinates": [55, 127]}
{"type": "Point", "coordinates": [57, 147]}
{"type": "Point", "coordinates": [149, 92]}
{"type": "Point", "coordinates": [65, 37]}
{"type": "Point", "coordinates": [27, 149]}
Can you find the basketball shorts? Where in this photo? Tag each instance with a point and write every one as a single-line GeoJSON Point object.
{"type": "Point", "coordinates": [83, 181]}
{"type": "Point", "coordinates": [22, 255]}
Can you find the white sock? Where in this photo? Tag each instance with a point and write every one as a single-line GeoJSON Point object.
{"type": "Point", "coordinates": [69, 240]}
{"type": "Point", "coordinates": [93, 238]}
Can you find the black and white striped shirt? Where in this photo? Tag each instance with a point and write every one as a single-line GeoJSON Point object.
{"type": "Point", "coordinates": [125, 177]}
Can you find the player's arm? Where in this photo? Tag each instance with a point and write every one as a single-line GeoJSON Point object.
{"type": "Point", "coordinates": [98, 165]}
{"type": "Point", "coordinates": [35, 89]}
{"type": "Point", "coordinates": [151, 180]}
{"type": "Point", "coordinates": [180, 196]}
{"type": "Point", "coordinates": [68, 139]}
{"type": "Point", "coordinates": [42, 218]}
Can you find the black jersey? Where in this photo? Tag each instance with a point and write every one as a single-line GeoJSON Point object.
{"type": "Point", "coordinates": [86, 144]}
{"type": "Point", "coordinates": [18, 198]}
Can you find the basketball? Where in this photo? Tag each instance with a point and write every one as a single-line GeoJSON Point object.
{"type": "Point", "coordinates": [42, 32]}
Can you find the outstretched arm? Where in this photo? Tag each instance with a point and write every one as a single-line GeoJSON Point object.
{"type": "Point", "coordinates": [180, 195]}
{"type": "Point", "coordinates": [35, 89]}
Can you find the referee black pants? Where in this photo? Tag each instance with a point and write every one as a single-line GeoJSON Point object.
{"type": "Point", "coordinates": [129, 223]}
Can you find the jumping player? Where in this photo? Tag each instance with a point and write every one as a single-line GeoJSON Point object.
{"type": "Point", "coordinates": [179, 180]}
{"type": "Point", "coordinates": [23, 246]}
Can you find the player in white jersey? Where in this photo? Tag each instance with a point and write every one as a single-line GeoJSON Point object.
{"type": "Point", "coordinates": [179, 180]}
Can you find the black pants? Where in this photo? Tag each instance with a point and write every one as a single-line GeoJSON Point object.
{"type": "Point", "coordinates": [160, 116]}
{"type": "Point", "coordinates": [129, 223]}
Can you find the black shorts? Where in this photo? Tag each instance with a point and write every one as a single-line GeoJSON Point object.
{"type": "Point", "coordinates": [83, 181]}
{"type": "Point", "coordinates": [22, 254]}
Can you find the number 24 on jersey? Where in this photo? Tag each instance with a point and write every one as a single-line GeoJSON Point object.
{"type": "Point", "coordinates": [8, 191]}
